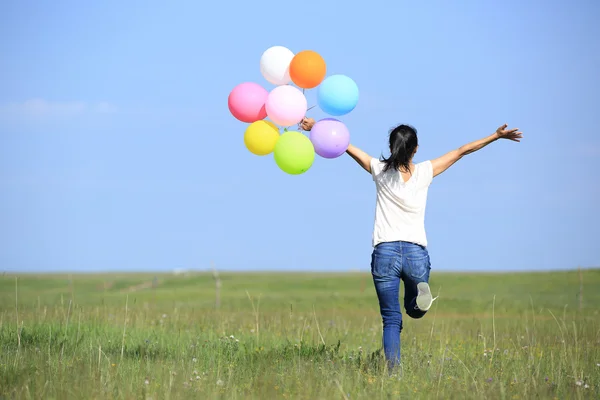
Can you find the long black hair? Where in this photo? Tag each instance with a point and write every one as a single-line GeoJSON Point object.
{"type": "Point", "coordinates": [403, 143]}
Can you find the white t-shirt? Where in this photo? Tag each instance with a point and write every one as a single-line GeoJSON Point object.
{"type": "Point", "coordinates": [400, 211]}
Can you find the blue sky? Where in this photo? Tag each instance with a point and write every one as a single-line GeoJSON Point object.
{"type": "Point", "coordinates": [118, 152]}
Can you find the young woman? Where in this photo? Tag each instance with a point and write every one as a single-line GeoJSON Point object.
{"type": "Point", "coordinates": [399, 240]}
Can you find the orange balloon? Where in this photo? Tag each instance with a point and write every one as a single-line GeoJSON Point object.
{"type": "Point", "coordinates": [307, 69]}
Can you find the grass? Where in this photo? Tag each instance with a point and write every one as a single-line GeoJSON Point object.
{"type": "Point", "coordinates": [300, 336]}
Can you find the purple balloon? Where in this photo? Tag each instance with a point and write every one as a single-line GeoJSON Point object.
{"type": "Point", "coordinates": [330, 138]}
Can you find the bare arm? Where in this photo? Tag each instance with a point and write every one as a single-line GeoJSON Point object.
{"type": "Point", "coordinates": [362, 158]}
{"type": "Point", "coordinates": [447, 160]}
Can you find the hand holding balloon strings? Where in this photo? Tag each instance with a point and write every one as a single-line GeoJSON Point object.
{"type": "Point", "coordinates": [301, 124]}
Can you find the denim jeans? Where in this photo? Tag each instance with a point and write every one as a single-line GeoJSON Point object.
{"type": "Point", "coordinates": [390, 262]}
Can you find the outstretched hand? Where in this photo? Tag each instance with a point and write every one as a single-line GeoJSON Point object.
{"type": "Point", "coordinates": [510, 134]}
{"type": "Point", "coordinates": [307, 124]}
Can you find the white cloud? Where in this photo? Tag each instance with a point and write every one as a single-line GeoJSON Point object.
{"type": "Point", "coordinates": [40, 108]}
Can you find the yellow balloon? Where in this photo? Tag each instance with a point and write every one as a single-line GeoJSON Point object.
{"type": "Point", "coordinates": [260, 137]}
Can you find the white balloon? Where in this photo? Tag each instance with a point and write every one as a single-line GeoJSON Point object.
{"type": "Point", "coordinates": [275, 65]}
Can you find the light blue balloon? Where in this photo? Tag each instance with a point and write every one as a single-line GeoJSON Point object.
{"type": "Point", "coordinates": [337, 95]}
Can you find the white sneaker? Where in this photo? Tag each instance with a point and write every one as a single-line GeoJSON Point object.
{"type": "Point", "coordinates": [424, 297]}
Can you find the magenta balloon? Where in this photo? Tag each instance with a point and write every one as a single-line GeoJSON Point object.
{"type": "Point", "coordinates": [247, 102]}
{"type": "Point", "coordinates": [330, 138]}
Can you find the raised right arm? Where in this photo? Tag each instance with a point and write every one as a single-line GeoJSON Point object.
{"type": "Point", "coordinates": [444, 162]}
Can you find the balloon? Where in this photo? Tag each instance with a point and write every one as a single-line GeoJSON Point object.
{"type": "Point", "coordinates": [247, 102]}
{"type": "Point", "coordinates": [337, 95]}
{"type": "Point", "coordinates": [275, 64]}
{"type": "Point", "coordinates": [330, 138]}
{"type": "Point", "coordinates": [260, 137]}
{"type": "Point", "coordinates": [286, 105]}
{"type": "Point", "coordinates": [294, 153]}
{"type": "Point", "coordinates": [307, 69]}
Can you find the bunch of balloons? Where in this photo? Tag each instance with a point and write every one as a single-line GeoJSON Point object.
{"type": "Point", "coordinates": [286, 105]}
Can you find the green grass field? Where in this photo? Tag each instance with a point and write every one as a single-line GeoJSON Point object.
{"type": "Point", "coordinates": [296, 336]}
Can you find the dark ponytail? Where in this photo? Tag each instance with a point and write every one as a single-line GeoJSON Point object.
{"type": "Point", "coordinates": [403, 143]}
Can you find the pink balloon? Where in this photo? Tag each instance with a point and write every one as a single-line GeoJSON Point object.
{"type": "Point", "coordinates": [247, 102]}
{"type": "Point", "coordinates": [286, 105]}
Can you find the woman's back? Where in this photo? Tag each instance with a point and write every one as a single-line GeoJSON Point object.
{"type": "Point", "coordinates": [400, 209]}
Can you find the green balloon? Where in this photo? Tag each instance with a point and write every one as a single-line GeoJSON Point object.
{"type": "Point", "coordinates": [294, 153]}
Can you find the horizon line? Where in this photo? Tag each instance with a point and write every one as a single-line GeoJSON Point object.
{"type": "Point", "coordinates": [184, 271]}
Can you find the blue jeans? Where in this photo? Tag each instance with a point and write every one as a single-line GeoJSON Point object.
{"type": "Point", "coordinates": [390, 262]}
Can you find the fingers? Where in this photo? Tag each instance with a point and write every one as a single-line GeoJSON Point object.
{"type": "Point", "coordinates": [508, 132]}
{"type": "Point", "coordinates": [516, 137]}
{"type": "Point", "coordinates": [307, 123]}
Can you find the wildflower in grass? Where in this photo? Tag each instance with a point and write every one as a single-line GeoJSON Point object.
{"type": "Point", "coordinates": [231, 337]}
{"type": "Point", "coordinates": [164, 315]}
{"type": "Point", "coordinates": [146, 381]}
{"type": "Point", "coordinates": [220, 383]}
{"type": "Point", "coordinates": [194, 360]}
{"type": "Point", "coordinates": [586, 386]}
{"type": "Point", "coordinates": [489, 380]}
{"type": "Point", "coordinates": [578, 383]}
